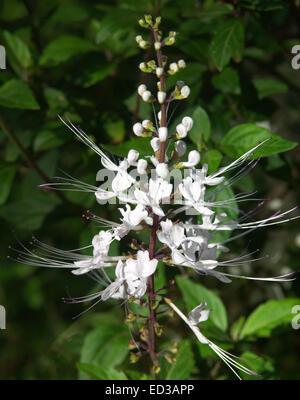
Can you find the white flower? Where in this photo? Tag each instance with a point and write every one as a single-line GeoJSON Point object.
{"type": "Point", "coordinates": [138, 129]}
{"type": "Point", "coordinates": [161, 97]}
{"type": "Point", "coordinates": [171, 234]}
{"type": "Point", "coordinates": [159, 189]}
{"type": "Point", "coordinates": [193, 159]}
{"type": "Point", "coordinates": [180, 148]}
{"type": "Point", "coordinates": [147, 124]}
{"type": "Point", "coordinates": [131, 277]}
{"type": "Point", "coordinates": [100, 243]}
{"type": "Point", "coordinates": [198, 314]}
{"type": "Point", "coordinates": [185, 91]}
{"type": "Point", "coordinates": [181, 131]}
{"type": "Point", "coordinates": [181, 64]}
{"type": "Point", "coordinates": [138, 38]}
{"type": "Point", "coordinates": [188, 123]}
{"type": "Point", "coordinates": [141, 89]}
{"type": "Point", "coordinates": [131, 220]}
{"type": "Point", "coordinates": [162, 170]}
{"type": "Point", "coordinates": [163, 133]}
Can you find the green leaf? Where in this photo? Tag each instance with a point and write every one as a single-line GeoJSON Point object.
{"type": "Point", "coordinates": [116, 131]}
{"type": "Point", "coordinates": [46, 140]}
{"type": "Point", "coordinates": [213, 159]}
{"type": "Point", "coordinates": [16, 94]}
{"type": "Point", "coordinates": [18, 52]}
{"type": "Point", "coordinates": [227, 81]}
{"type": "Point", "coordinates": [244, 137]}
{"type": "Point", "coordinates": [142, 145]}
{"type": "Point", "coordinates": [201, 127]}
{"type": "Point", "coordinates": [236, 328]}
{"type": "Point", "coordinates": [263, 367]}
{"type": "Point", "coordinates": [93, 74]}
{"type": "Point", "coordinates": [64, 48]}
{"type": "Point", "coordinates": [7, 173]}
{"type": "Point", "coordinates": [268, 316]}
{"type": "Point", "coordinates": [101, 373]}
{"type": "Point", "coordinates": [227, 42]}
{"type": "Point", "coordinates": [195, 293]}
{"type": "Point", "coordinates": [105, 346]}
{"type": "Point", "coordinates": [267, 86]}
{"type": "Point", "coordinates": [183, 366]}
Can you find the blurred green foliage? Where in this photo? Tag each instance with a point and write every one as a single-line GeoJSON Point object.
{"type": "Point", "coordinates": [80, 59]}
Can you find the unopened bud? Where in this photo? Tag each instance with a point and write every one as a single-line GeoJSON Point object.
{"type": "Point", "coordinates": [181, 131]}
{"type": "Point", "coordinates": [146, 96]}
{"type": "Point", "coordinates": [161, 97]}
{"type": "Point", "coordinates": [188, 123]}
{"type": "Point", "coordinates": [157, 45]}
{"type": "Point", "coordinates": [141, 89]}
{"type": "Point", "coordinates": [162, 170]}
{"type": "Point", "coordinates": [132, 156]}
{"type": "Point", "coordinates": [159, 71]}
{"type": "Point", "coordinates": [180, 148]}
{"type": "Point", "coordinates": [155, 144]}
{"type": "Point", "coordinates": [163, 133]}
{"type": "Point", "coordinates": [185, 91]}
{"type": "Point", "coordinates": [141, 166]}
{"type": "Point", "coordinates": [181, 64]}
{"type": "Point", "coordinates": [138, 129]}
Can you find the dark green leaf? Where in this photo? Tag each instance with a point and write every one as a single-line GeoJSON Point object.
{"type": "Point", "coordinates": [228, 42]}
{"type": "Point", "coordinates": [227, 81]}
{"type": "Point", "coordinates": [243, 138]}
{"type": "Point", "coordinates": [195, 293]}
{"type": "Point", "coordinates": [265, 87]}
{"type": "Point", "coordinates": [201, 127]}
{"type": "Point", "coordinates": [96, 372]}
{"type": "Point", "coordinates": [16, 94]}
{"type": "Point", "coordinates": [7, 173]}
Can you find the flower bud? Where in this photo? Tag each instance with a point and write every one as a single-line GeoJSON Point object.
{"type": "Point", "coordinates": [143, 44]}
{"type": "Point", "coordinates": [157, 45]}
{"type": "Point", "coordinates": [162, 170]}
{"type": "Point", "coordinates": [163, 133]}
{"type": "Point", "coordinates": [181, 64]}
{"type": "Point", "coordinates": [159, 71]}
{"type": "Point", "coordinates": [147, 124]}
{"type": "Point", "coordinates": [141, 89]}
{"type": "Point", "coordinates": [146, 96]}
{"type": "Point", "coordinates": [138, 38]}
{"type": "Point", "coordinates": [193, 159]}
{"type": "Point", "coordinates": [159, 115]}
{"type": "Point", "coordinates": [181, 131]}
{"type": "Point", "coordinates": [188, 123]}
{"type": "Point", "coordinates": [132, 156]}
{"type": "Point", "coordinates": [155, 144]}
{"type": "Point", "coordinates": [161, 97]}
{"type": "Point", "coordinates": [173, 67]}
{"type": "Point", "coordinates": [185, 91]}
{"type": "Point", "coordinates": [180, 148]}
{"type": "Point", "coordinates": [138, 129]}
{"type": "Point", "coordinates": [141, 166]}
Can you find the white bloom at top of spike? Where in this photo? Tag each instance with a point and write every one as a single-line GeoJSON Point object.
{"type": "Point", "coordinates": [181, 64]}
{"type": "Point", "coordinates": [141, 89]}
{"type": "Point", "coordinates": [161, 97]}
{"type": "Point", "coordinates": [147, 96]}
{"type": "Point", "coordinates": [163, 133]}
{"type": "Point", "coordinates": [193, 159]}
{"type": "Point", "coordinates": [188, 123]}
{"type": "Point", "coordinates": [185, 91]}
{"type": "Point", "coordinates": [180, 148]}
{"type": "Point", "coordinates": [162, 170]}
{"type": "Point", "coordinates": [159, 71]}
{"type": "Point", "coordinates": [138, 129]}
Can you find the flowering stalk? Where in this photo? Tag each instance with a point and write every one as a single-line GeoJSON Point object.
{"type": "Point", "coordinates": [183, 241]}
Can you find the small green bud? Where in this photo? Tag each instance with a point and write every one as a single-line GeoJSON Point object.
{"type": "Point", "coordinates": [134, 357]}
{"type": "Point", "coordinates": [142, 23]}
{"type": "Point", "coordinates": [148, 19]}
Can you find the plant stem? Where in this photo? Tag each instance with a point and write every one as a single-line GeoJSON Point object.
{"type": "Point", "coordinates": [152, 244]}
